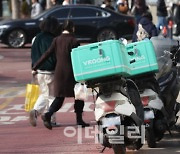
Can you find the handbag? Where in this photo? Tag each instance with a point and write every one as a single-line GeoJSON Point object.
{"type": "Point", "coordinates": [81, 91]}
{"type": "Point", "coordinates": [32, 94]}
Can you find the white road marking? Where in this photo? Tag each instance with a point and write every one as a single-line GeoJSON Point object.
{"type": "Point", "coordinates": [20, 118]}
{"type": "Point", "coordinates": [17, 112]}
{"type": "Point", "coordinates": [24, 70]}
{"type": "Point", "coordinates": [1, 57]}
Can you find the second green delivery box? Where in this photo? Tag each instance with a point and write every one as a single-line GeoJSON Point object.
{"type": "Point", "coordinates": [142, 57]}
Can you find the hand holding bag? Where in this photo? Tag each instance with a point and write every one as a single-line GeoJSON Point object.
{"type": "Point", "coordinates": [32, 94]}
{"type": "Point", "coordinates": [81, 91]}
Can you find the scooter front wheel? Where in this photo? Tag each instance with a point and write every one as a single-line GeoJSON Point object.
{"type": "Point", "coordinates": [119, 148]}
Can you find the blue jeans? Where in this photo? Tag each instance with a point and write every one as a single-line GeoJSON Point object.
{"type": "Point", "coordinates": [162, 21]}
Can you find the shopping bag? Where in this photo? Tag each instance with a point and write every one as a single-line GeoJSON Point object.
{"type": "Point", "coordinates": [32, 93]}
{"type": "Point", "coordinates": [81, 91]}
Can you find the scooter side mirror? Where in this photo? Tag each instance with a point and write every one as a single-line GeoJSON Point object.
{"type": "Point", "coordinates": [124, 41]}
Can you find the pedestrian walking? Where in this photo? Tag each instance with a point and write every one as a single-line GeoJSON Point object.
{"type": "Point", "coordinates": [36, 8]}
{"type": "Point", "coordinates": [84, 2]}
{"type": "Point", "coordinates": [64, 81]}
{"type": "Point", "coordinates": [176, 17]}
{"type": "Point", "coordinates": [45, 74]}
{"type": "Point", "coordinates": [123, 6]}
{"type": "Point", "coordinates": [43, 4]}
{"type": "Point", "coordinates": [139, 8]}
{"type": "Point", "coordinates": [25, 11]}
{"type": "Point", "coordinates": [145, 29]}
{"type": "Point", "coordinates": [107, 4]}
{"type": "Point", "coordinates": [161, 15]}
{"type": "Point", "coordinates": [54, 3]}
{"type": "Point", "coordinates": [65, 2]}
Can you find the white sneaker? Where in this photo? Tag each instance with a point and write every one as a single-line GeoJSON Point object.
{"type": "Point", "coordinates": [33, 118]}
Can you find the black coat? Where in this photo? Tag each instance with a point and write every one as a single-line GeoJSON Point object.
{"type": "Point", "coordinates": [176, 13]}
{"type": "Point", "coordinates": [161, 8]}
{"type": "Point", "coordinates": [148, 26]}
{"type": "Point", "coordinates": [140, 7]}
{"type": "Point", "coordinates": [63, 76]}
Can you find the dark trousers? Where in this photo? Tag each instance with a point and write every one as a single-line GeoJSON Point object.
{"type": "Point", "coordinates": [58, 102]}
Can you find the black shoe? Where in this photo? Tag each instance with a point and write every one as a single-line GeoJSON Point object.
{"type": "Point", "coordinates": [47, 121]}
{"type": "Point", "coordinates": [80, 121]}
{"type": "Point", "coordinates": [83, 124]}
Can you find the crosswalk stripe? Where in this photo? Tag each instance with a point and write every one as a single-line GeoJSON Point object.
{"type": "Point", "coordinates": [6, 103]}
{"type": "Point", "coordinates": [12, 92]}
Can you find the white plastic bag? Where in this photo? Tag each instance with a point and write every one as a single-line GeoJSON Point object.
{"type": "Point", "coordinates": [81, 91]}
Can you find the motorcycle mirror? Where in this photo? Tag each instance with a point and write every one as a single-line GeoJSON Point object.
{"type": "Point", "coordinates": [124, 41]}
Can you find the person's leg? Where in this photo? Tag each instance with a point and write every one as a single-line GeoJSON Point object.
{"type": "Point", "coordinates": [162, 22]}
{"type": "Point", "coordinates": [55, 106]}
{"type": "Point", "coordinates": [49, 79]}
{"type": "Point", "coordinates": [78, 107]}
{"type": "Point", "coordinates": [53, 117]}
{"type": "Point", "coordinates": [41, 101]}
{"type": "Point", "coordinates": [159, 23]}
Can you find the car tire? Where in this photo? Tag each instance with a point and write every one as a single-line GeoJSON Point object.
{"type": "Point", "coordinates": [16, 38]}
{"type": "Point", "coordinates": [106, 34]}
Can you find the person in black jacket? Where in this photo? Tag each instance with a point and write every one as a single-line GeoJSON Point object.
{"type": "Point", "coordinates": [145, 28]}
{"type": "Point", "coordinates": [139, 7]}
{"type": "Point", "coordinates": [161, 14]}
{"type": "Point", "coordinates": [176, 17]}
{"type": "Point", "coordinates": [107, 4]}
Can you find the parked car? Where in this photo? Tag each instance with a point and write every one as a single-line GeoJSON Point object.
{"type": "Point", "coordinates": [92, 23]}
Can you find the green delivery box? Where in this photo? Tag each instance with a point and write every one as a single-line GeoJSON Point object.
{"type": "Point", "coordinates": [99, 59]}
{"type": "Point", "coordinates": [142, 57]}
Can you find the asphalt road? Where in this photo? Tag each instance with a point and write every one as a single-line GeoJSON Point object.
{"type": "Point", "coordinates": [18, 136]}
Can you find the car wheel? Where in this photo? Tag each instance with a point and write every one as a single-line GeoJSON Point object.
{"type": "Point", "coordinates": [106, 34]}
{"type": "Point", "coordinates": [16, 38]}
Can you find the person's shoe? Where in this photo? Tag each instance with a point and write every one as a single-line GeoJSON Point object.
{"type": "Point", "coordinates": [80, 120]}
{"type": "Point", "coordinates": [83, 124]}
{"type": "Point", "coordinates": [55, 124]}
{"type": "Point", "coordinates": [33, 118]}
{"type": "Point", "coordinates": [47, 121]}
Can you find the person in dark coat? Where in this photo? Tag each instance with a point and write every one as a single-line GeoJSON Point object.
{"type": "Point", "coordinates": [176, 17]}
{"type": "Point", "coordinates": [148, 27]}
{"type": "Point", "coordinates": [138, 9]}
{"type": "Point", "coordinates": [64, 81]}
{"type": "Point", "coordinates": [107, 4]}
{"type": "Point", "coordinates": [161, 14]}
